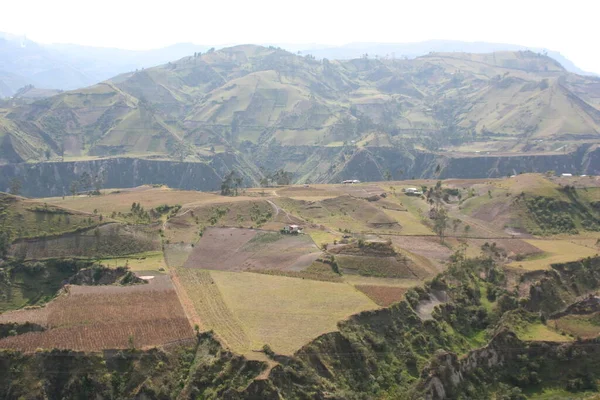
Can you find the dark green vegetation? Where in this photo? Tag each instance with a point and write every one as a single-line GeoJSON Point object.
{"type": "Point", "coordinates": [34, 283]}
{"type": "Point", "coordinates": [558, 215]}
{"type": "Point", "coordinates": [273, 116]}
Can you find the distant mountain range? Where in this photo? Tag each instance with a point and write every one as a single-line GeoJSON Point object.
{"type": "Point", "coordinates": [412, 50]}
{"type": "Point", "coordinates": [66, 67]}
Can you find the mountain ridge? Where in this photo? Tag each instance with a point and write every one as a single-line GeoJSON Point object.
{"type": "Point", "coordinates": [264, 103]}
{"type": "Point", "coordinates": [72, 66]}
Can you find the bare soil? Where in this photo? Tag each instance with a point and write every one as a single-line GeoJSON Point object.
{"type": "Point", "coordinates": [234, 249]}
{"type": "Point", "coordinates": [383, 295]}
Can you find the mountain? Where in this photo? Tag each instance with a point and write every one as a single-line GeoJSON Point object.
{"type": "Point", "coordinates": [64, 66]}
{"type": "Point", "coordinates": [321, 120]}
{"type": "Point", "coordinates": [417, 49]}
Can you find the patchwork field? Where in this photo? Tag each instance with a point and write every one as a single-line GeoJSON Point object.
{"type": "Point", "coordinates": [93, 318]}
{"type": "Point", "coordinates": [233, 249]}
{"type": "Point", "coordinates": [364, 246]}
{"type": "Point", "coordinates": [248, 310]}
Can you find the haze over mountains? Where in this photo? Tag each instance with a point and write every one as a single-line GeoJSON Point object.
{"type": "Point", "coordinates": [68, 66]}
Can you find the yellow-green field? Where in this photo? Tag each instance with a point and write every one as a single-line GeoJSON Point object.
{"type": "Point", "coordinates": [555, 251]}
{"type": "Point", "coordinates": [539, 331]}
{"type": "Point", "coordinates": [150, 261]}
{"type": "Point", "coordinates": [250, 310]}
{"type": "Point", "coordinates": [411, 225]}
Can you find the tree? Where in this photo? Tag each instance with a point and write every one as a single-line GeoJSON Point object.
{"type": "Point", "coordinates": [264, 182]}
{"type": "Point", "coordinates": [74, 188]}
{"type": "Point", "coordinates": [387, 175]}
{"type": "Point", "coordinates": [231, 183]}
{"type": "Point", "coordinates": [85, 181]}
{"type": "Point", "coordinates": [15, 186]}
{"type": "Point", "coordinates": [455, 223]}
{"type": "Point", "coordinates": [180, 151]}
{"type": "Point", "coordinates": [440, 222]}
{"type": "Point", "coordinates": [467, 229]}
{"type": "Point", "coordinates": [282, 177]}
{"type": "Point", "coordinates": [4, 242]}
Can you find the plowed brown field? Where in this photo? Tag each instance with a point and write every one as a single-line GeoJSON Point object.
{"type": "Point", "coordinates": [233, 249]}
{"type": "Point", "coordinates": [102, 317]}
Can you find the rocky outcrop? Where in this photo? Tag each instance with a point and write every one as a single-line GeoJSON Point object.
{"type": "Point", "coordinates": [447, 372]}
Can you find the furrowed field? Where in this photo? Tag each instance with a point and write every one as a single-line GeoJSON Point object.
{"type": "Point", "coordinates": [104, 317]}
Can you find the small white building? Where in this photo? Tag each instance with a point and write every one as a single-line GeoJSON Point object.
{"type": "Point", "coordinates": [293, 229]}
{"type": "Point", "coordinates": [567, 175]}
{"type": "Point", "coordinates": [412, 191]}
{"type": "Point", "coordinates": [350, 181]}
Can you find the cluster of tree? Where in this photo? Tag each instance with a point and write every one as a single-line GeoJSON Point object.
{"type": "Point", "coordinates": [180, 150]}
{"type": "Point", "coordinates": [86, 183]}
{"type": "Point", "coordinates": [231, 183]}
{"type": "Point", "coordinates": [435, 197]}
{"type": "Point", "coordinates": [279, 177]}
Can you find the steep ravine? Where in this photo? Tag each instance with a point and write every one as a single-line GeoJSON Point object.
{"type": "Point", "coordinates": [309, 164]}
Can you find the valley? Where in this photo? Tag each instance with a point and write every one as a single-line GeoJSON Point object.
{"type": "Point", "coordinates": [377, 276]}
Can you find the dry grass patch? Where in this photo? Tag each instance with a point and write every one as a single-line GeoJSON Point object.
{"type": "Point", "coordinates": [342, 213]}
{"type": "Point", "coordinates": [210, 308]}
{"type": "Point", "coordinates": [286, 313]}
{"type": "Point", "coordinates": [120, 200]}
{"type": "Point", "coordinates": [410, 224]}
{"type": "Point", "coordinates": [584, 326]}
{"type": "Point", "coordinates": [554, 252]}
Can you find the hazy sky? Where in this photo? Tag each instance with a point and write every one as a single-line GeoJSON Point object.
{"type": "Point", "coordinates": [569, 27]}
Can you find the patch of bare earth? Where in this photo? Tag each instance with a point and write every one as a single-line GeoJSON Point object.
{"type": "Point", "coordinates": [383, 295]}
{"type": "Point", "coordinates": [426, 246]}
{"type": "Point", "coordinates": [232, 249]}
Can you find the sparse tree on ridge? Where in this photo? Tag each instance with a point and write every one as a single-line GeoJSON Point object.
{"type": "Point", "coordinates": [15, 186]}
{"type": "Point", "coordinates": [74, 188]}
{"type": "Point", "coordinates": [231, 183]}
